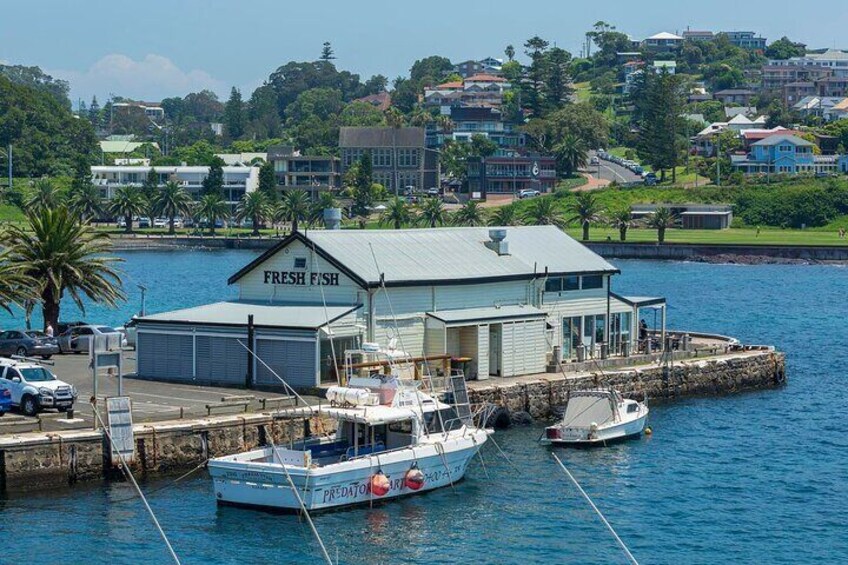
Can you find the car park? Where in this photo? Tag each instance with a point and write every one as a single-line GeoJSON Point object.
{"type": "Point", "coordinates": [528, 193]}
{"type": "Point", "coordinates": [33, 388]}
{"type": "Point", "coordinates": [27, 343]}
{"type": "Point", "coordinates": [78, 339]}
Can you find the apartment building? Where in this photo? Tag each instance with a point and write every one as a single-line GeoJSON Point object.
{"type": "Point", "coordinates": [313, 173]}
{"type": "Point", "coordinates": [238, 180]}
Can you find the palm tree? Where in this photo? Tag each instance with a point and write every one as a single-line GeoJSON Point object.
{"type": "Point", "coordinates": [433, 212]}
{"type": "Point", "coordinates": [544, 212]}
{"type": "Point", "coordinates": [255, 207]}
{"type": "Point", "coordinates": [16, 287]}
{"type": "Point", "coordinates": [171, 201]}
{"type": "Point", "coordinates": [505, 216]}
{"type": "Point", "coordinates": [622, 220]}
{"type": "Point", "coordinates": [84, 202]}
{"type": "Point", "coordinates": [662, 219]}
{"type": "Point", "coordinates": [469, 215]}
{"type": "Point", "coordinates": [127, 202]}
{"type": "Point", "coordinates": [63, 256]}
{"type": "Point", "coordinates": [444, 123]}
{"type": "Point", "coordinates": [585, 209]}
{"type": "Point", "coordinates": [421, 118]}
{"type": "Point", "coordinates": [293, 207]}
{"type": "Point", "coordinates": [394, 117]}
{"type": "Point", "coordinates": [212, 207]}
{"type": "Point", "coordinates": [42, 195]}
{"type": "Point", "coordinates": [571, 154]}
{"type": "Point", "coordinates": [397, 213]}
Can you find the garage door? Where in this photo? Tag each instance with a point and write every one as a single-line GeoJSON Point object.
{"type": "Point", "coordinates": [293, 360]}
{"type": "Point", "coordinates": [221, 360]}
{"type": "Point", "coordinates": [164, 356]}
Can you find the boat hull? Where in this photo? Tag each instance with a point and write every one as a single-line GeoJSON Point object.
{"type": "Point", "coordinates": [603, 436]}
{"type": "Point", "coordinates": [346, 483]}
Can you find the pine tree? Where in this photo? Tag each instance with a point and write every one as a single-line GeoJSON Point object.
{"type": "Point", "coordinates": [214, 181]}
{"type": "Point", "coordinates": [94, 112]}
{"type": "Point", "coordinates": [659, 101]}
{"type": "Point", "coordinates": [327, 52]}
{"type": "Point", "coordinates": [268, 181]}
{"type": "Point", "coordinates": [558, 90]}
{"type": "Point", "coordinates": [234, 115]}
{"type": "Point", "coordinates": [362, 194]}
{"type": "Point", "coordinates": [535, 48]}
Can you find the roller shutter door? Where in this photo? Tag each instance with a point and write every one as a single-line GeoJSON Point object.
{"type": "Point", "coordinates": [221, 360]}
{"type": "Point", "coordinates": [293, 360]}
{"type": "Point", "coordinates": [165, 356]}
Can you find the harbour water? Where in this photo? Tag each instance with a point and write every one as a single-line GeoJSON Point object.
{"type": "Point", "coordinates": [751, 478]}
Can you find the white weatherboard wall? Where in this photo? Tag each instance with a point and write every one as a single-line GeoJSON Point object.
{"type": "Point", "coordinates": [253, 285]}
{"type": "Point", "coordinates": [524, 348]}
{"type": "Point", "coordinates": [483, 351]}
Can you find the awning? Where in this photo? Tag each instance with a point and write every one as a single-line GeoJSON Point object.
{"type": "Point", "coordinates": [640, 301]}
{"type": "Point", "coordinates": [488, 314]}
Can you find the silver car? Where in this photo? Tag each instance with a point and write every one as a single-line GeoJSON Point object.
{"type": "Point", "coordinates": [27, 343]}
{"type": "Point", "coordinates": [78, 339]}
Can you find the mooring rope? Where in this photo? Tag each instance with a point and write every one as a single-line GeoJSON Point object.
{"type": "Point", "coordinates": [128, 473]}
{"type": "Point", "coordinates": [598, 512]}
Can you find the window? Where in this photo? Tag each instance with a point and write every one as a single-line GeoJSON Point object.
{"type": "Point", "coordinates": [553, 285]}
{"type": "Point", "coordinates": [593, 281]}
{"type": "Point", "coordinates": [404, 427]}
{"type": "Point", "coordinates": [300, 262]}
{"type": "Point", "coordinates": [571, 283]}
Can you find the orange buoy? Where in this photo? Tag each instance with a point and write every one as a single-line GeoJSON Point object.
{"type": "Point", "coordinates": [414, 478]}
{"type": "Point", "coordinates": [379, 484]}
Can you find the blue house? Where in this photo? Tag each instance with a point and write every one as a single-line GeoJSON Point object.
{"type": "Point", "coordinates": [778, 154]}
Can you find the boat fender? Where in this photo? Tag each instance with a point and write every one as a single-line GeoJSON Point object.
{"type": "Point", "coordinates": [379, 484]}
{"type": "Point", "coordinates": [648, 431]}
{"type": "Point", "coordinates": [414, 478]}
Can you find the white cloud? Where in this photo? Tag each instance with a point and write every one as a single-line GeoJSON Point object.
{"type": "Point", "coordinates": [152, 78]}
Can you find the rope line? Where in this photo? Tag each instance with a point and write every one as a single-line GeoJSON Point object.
{"type": "Point", "coordinates": [128, 473]}
{"type": "Point", "coordinates": [598, 512]}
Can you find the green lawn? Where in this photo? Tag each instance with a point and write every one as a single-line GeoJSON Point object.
{"type": "Point", "coordinates": [582, 91]}
{"type": "Point", "coordinates": [746, 236]}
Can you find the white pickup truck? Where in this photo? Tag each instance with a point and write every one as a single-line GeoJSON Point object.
{"type": "Point", "coordinates": [34, 388]}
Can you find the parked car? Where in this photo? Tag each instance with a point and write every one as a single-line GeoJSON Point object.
{"type": "Point", "coordinates": [122, 222]}
{"type": "Point", "coordinates": [27, 343]}
{"type": "Point", "coordinates": [432, 191]}
{"type": "Point", "coordinates": [129, 331]}
{"type": "Point", "coordinates": [34, 388]}
{"type": "Point", "coordinates": [160, 222]}
{"type": "Point", "coordinates": [528, 193]}
{"type": "Point", "coordinates": [595, 160]}
{"type": "Point", "coordinates": [144, 222]}
{"type": "Point", "coordinates": [62, 327]}
{"type": "Point", "coordinates": [78, 339]}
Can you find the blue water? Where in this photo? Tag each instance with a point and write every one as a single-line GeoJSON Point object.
{"type": "Point", "coordinates": [750, 478]}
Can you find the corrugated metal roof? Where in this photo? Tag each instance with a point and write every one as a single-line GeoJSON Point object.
{"type": "Point", "coordinates": [489, 313]}
{"type": "Point", "coordinates": [456, 253]}
{"type": "Point", "coordinates": [235, 313]}
{"type": "Point", "coordinates": [120, 146]}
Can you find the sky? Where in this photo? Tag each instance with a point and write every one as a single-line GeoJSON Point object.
{"type": "Point", "coordinates": [156, 48]}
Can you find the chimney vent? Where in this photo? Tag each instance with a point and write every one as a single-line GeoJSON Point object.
{"type": "Point", "coordinates": [497, 241]}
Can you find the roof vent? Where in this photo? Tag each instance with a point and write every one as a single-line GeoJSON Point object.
{"type": "Point", "coordinates": [497, 241]}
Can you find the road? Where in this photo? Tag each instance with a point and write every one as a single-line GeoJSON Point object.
{"type": "Point", "coordinates": [611, 172]}
{"type": "Point", "coordinates": [151, 401]}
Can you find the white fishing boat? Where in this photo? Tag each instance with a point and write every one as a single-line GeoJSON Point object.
{"type": "Point", "coordinates": [594, 417]}
{"type": "Point", "coordinates": [391, 440]}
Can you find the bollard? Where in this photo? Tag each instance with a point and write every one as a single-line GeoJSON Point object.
{"type": "Point", "coordinates": [70, 413]}
{"type": "Point", "coordinates": [604, 351]}
{"type": "Point", "coordinates": [625, 349]}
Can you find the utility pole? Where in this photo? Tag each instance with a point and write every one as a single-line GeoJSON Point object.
{"type": "Point", "coordinates": [9, 155]}
{"type": "Point", "coordinates": [718, 159]}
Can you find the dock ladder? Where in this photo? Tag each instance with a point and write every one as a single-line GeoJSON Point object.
{"type": "Point", "coordinates": [459, 391]}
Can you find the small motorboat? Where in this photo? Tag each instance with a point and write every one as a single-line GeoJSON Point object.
{"type": "Point", "coordinates": [390, 440]}
{"type": "Point", "coordinates": [597, 417]}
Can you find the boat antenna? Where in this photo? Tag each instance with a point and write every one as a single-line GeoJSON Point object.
{"type": "Point", "coordinates": [598, 512]}
{"type": "Point", "coordinates": [128, 473]}
{"type": "Point", "coordinates": [326, 314]}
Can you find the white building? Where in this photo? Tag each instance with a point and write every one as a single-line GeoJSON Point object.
{"type": "Point", "coordinates": [503, 298]}
{"type": "Point", "coordinates": [237, 180]}
{"type": "Point", "coordinates": [834, 59]}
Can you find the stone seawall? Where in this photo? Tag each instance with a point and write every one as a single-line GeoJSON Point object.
{"type": "Point", "coordinates": [714, 376]}
{"type": "Point", "coordinates": [725, 252]}
{"type": "Point", "coordinates": [37, 461]}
